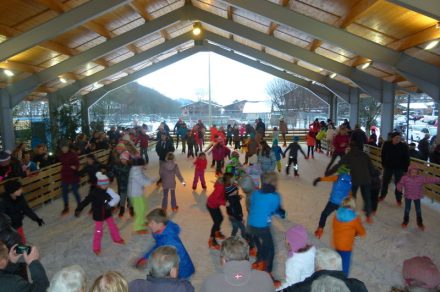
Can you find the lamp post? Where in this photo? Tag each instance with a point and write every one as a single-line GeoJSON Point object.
{"type": "Point", "coordinates": [209, 90]}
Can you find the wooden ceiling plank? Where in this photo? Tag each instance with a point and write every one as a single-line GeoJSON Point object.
{"type": "Point", "coordinates": [230, 12]}
{"type": "Point", "coordinates": [416, 39]}
{"type": "Point", "coordinates": [99, 29]}
{"type": "Point", "coordinates": [141, 9]}
{"type": "Point", "coordinates": [356, 12]}
{"type": "Point", "coordinates": [70, 75]}
{"type": "Point", "coordinates": [134, 49]}
{"type": "Point", "coordinates": [54, 5]}
{"type": "Point", "coordinates": [20, 67]}
{"type": "Point", "coordinates": [272, 27]}
{"type": "Point", "coordinates": [165, 34]}
{"type": "Point", "coordinates": [357, 61]}
{"type": "Point", "coordinates": [285, 3]}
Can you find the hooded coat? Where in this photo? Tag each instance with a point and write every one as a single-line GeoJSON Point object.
{"type": "Point", "coordinates": [16, 209]}
{"type": "Point", "coordinates": [168, 172]}
{"type": "Point", "coordinates": [346, 226]}
{"type": "Point", "coordinates": [170, 236]}
{"type": "Point", "coordinates": [136, 181]}
{"type": "Point", "coordinates": [412, 185]}
{"type": "Point", "coordinates": [100, 200]}
{"type": "Point", "coordinates": [299, 267]}
{"type": "Point", "coordinates": [238, 276]}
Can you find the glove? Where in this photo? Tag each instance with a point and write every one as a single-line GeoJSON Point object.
{"type": "Point", "coordinates": [40, 222]}
{"type": "Point", "coordinates": [141, 263]}
{"type": "Point", "coordinates": [316, 181]}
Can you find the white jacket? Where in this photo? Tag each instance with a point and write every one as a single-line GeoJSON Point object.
{"type": "Point", "coordinates": [136, 181]}
{"type": "Point", "coordinates": [115, 197]}
{"type": "Point", "coordinates": [299, 267]}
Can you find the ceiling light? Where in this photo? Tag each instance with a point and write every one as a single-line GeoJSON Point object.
{"type": "Point", "coordinates": [366, 65]}
{"type": "Point", "coordinates": [197, 28]}
{"type": "Point", "coordinates": [62, 80]}
{"type": "Point", "coordinates": [8, 73]}
{"type": "Point", "coordinates": [437, 25]}
{"type": "Point", "coordinates": [333, 75]}
{"type": "Point", "coordinates": [431, 45]}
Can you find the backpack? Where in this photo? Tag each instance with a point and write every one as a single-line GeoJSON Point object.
{"type": "Point", "coordinates": [341, 189]}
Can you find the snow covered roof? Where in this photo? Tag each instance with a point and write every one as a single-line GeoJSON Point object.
{"type": "Point", "coordinates": [257, 107]}
{"type": "Point", "coordinates": [417, 105]}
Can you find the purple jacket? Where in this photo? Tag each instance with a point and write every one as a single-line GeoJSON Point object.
{"type": "Point", "coordinates": [413, 184]}
{"type": "Point", "coordinates": [168, 172]}
{"type": "Point", "coordinates": [218, 152]}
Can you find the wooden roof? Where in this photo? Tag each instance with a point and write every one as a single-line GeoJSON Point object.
{"type": "Point", "coordinates": [380, 21]}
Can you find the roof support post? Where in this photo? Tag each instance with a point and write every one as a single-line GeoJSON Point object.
{"type": "Point", "coordinates": [354, 107]}
{"type": "Point", "coordinates": [85, 124]}
{"type": "Point", "coordinates": [333, 109]}
{"type": "Point", "coordinates": [387, 115]}
{"type": "Point", "coordinates": [53, 107]}
{"type": "Point", "coordinates": [6, 125]}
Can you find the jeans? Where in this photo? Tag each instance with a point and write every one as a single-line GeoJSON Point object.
{"type": "Point", "coordinates": [165, 198]}
{"type": "Point", "coordinates": [65, 187]}
{"type": "Point", "coordinates": [183, 145]}
{"type": "Point", "coordinates": [237, 225]}
{"type": "Point", "coordinates": [310, 148]}
{"type": "Point", "coordinates": [190, 151]}
{"type": "Point", "coordinates": [177, 140]}
{"type": "Point", "coordinates": [199, 173]}
{"type": "Point", "coordinates": [219, 166]}
{"type": "Point", "coordinates": [329, 208]}
{"type": "Point", "coordinates": [374, 199]}
{"type": "Point", "coordinates": [144, 154]}
{"type": "Point", "coordinates": [346, 261]}
{"type": "Point", "coordinates": [97, 237]}
{"type": "Point", "coordinates": [217, 218]}
{"type": "Point", "coordinates": [237, 145]}
{"type": "Point", "coordinates": [293, 160]}
{"type": "Point", "coordinates": [263, 240]}
{"type": "Point", "coordinates": [366, 196]}
{"type": "Point", "coordinates": [334, 156]}
{"type": "Point", "coordinates": [408, 209]}
{"type": "Point", "coordinates": [387, 175]}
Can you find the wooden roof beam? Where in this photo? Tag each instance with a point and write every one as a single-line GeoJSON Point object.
{"type": "Point", "coordinates": [356, 12]}
{"type": "Point", "coordinates": [10, 65]}
{"type": "Point", "coordinates": [165, 34]}
{"type": "Point", "coordinates": [54, 5]}
{"type": "Point", "coordinates": [429, 34]}
{"type": "Point", "coordinates": [134, 49]}
{"type": "Point", "coordinates": [141, 8]}
{"type": "Point", "coordinates": [285, 3]}
{"type": "Point", "coordinates": [314, 45]}
{"type": "Point", "coordinates": [230, 12]}
{"type": "Point", "coordinates": [272, 27]}
{"type": "Point", "coordinates": [357, 61]}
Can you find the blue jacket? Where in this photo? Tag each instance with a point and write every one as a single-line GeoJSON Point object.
{"type": "Point", "coordinates": [278, 152]}
{"type": "Point", "coordinates": [263, 206]}
{"type": "Point", "coordinates": [170, 236]}
{"type": "Point", "coordinates": [341, 189]}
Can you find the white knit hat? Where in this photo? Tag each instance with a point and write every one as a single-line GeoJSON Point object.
{"type": "Point", "coordinates": [102, 179]}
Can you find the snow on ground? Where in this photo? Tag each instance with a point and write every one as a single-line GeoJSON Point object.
{"type": "Point", "coordinates": [377, 259]}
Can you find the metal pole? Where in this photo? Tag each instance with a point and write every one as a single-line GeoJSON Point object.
{"type": "Point", "coordinates": [407, 117]}
{"type": "Point", "coordinates": [209, 89]}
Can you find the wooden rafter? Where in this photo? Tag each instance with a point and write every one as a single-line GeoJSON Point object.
{"type": "Point", "coordinates": [20, 67]}
{"type": "Point", "coordinates": [357, 61]}
{"type": "Point", "coordinates": [134, 49]}
{"type": "Point", "coordinates": [356, 12]}
{"type": "Point", "coordinates": [165, 34]}
{"type": "Point", "coordinates": [416, 39]}
{"type": "Point", "coordinates": [230, 12]}
{"type": "Point", "coordinates": [394, 78]}
{"type": "Point", "coordinates": [314, 45]}
{"type": "Point", "coordinates": [272, 27]}
{"type": "Point", "coordinates": [99, 29]}
{"type": "Point", "coordinates": [54, 5]}
{"type": "Point", "coordinates": [141, 8]}
{"type": "Point", "coordinates": [285, 2]}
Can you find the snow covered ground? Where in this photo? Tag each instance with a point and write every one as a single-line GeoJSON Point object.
{"type": "Point", "coordinates": [377, 259]}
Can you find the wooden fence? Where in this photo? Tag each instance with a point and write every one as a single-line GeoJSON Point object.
{"type": "Point", "coordinates": [432, 190]}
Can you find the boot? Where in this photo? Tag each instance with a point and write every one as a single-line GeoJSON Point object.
{"type": "Point", "coordinates": [131, 211]}
{"type": "Point", "coordinates": [319, 232]}
{"type": "Point", "coordinates": [259, 265]}
{"type": "Point", "coordinates": [121, 242]}
{"type": "Point", "coordinates": [420, 224]}
{"type": "Point", "coordinates": [219, 235]}
{"type": "Point", "coordinates": [97, 252]}
{"type": "Point", "coordinates": [253, 251]}
{"type": "Point", "coordinates": [65, 210]}
{"type": "Point", "coordinates": [370, 219]}
{"type": "Point", "coordinates": [175, 209]}
{"type": "Point", "coordinates": [213, 244]}
{"type": "Point", "coordinates": [276, 283]}
{"type": "Point", "coordinates": [121, 212]}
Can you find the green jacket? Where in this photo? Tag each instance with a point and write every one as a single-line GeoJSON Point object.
{"type": "Point", "coordinates": [11, 282]}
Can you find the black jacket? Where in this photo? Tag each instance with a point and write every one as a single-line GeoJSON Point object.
{"type": "Point", "coordinates": [360, 166]}
{"type": "Point", "coordinates": [305, 286]}
{"type": "Point", "coordinates": [99, 199]}
{"type": "Point", "coordinates": [11, 282]}
{"type": "Point", "coordinates": [162, 150]}
{"type": "Point", "coordinates": [16, 209]}
{"type": "Point", "coordinates": [424, 148]}
{"type": "Point", "coordinates": [395, 156]}
{"type": "Point", "coordinates": [294, 148]}
{"type": "Point", "coordinates": [233, 205]}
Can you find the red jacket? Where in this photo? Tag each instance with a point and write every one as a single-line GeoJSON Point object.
{"type": "Point", "coordinates": [340, 142]}
{"type": "Point", "coordinates": [69, 175]}
{"type": "Point", "coordinates": [217, 197]}
{"type": "Point", "coordinates": [200, 164]}
{"type": "Point", "coordinates": [142, 140]}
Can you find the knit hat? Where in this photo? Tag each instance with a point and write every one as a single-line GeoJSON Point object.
{"type": "Point", "coordinates": [297, 238]}
{"type": "Point", "coordinates": [295, 139]}
{"type": "Point", "coordinates": [102, 179]}
{"type": "Point", "coordinates": [120, 147]}
{"type": "Point", "coordinates": [394, 134]}
{"type": "Point", "coordinates": [11, 186]}
{"type": "Point", "coordinates": [343, 169]}
{"type": "Point", "coordinates": [253, 159]}
{"type": "Point", "coordinates": [4, 158]}
{"type": "Point", "coordinates": [124, 156]}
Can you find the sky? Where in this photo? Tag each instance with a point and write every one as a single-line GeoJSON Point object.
{"type": "Point", "coordinates": [230, 80]}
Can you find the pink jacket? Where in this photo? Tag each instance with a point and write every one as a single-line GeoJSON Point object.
{"type": "Point", "coordinates": [413, 184]}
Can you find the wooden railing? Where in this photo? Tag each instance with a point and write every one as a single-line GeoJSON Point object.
{"type": "Point", "coordinates": [432, 190]}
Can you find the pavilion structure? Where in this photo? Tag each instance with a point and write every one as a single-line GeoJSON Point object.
{"type": "Point", "coordinates": [347, 49]}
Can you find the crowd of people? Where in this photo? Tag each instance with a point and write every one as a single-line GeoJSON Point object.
{"type": "Point", "coordinates": [255, 179]}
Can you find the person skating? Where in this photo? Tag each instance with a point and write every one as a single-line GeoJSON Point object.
{"type": "Point", "coordinates": [412, 186]}
{"type": "Point", "coordinates": [69, 176]}
{"type": "Point", "coordinates": [340, 190]}
{"type": "Point", "coordinates": [101, 207]}
{"type": "Point", "coordinates": [169, 170]}
{"type": "Point", "coordinates": [213, 203]}
{"type": "Point", "coordinates": [15, 206]}
{"type": "Point", "coordinates": [121, 170]}
{"type": "Point", "coordinates": [293, 155]}
{"type": "Point", "coordinates": [199, 172]}
{"type": "Point", "coordinates": [278, 153]}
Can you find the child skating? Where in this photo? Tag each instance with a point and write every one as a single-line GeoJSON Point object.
{"type": "Point", "coordinates": [346, 226]}
{"type": "Point", "coordinates": [340, 190]}
{"type": "Point", "coordinates": [311, 141]}
{"type": "Point", "coordinates": [412, 186]}
{"type": "Point", "coordinates": [278, 153]}
{"type": "Point", "coordinates": [213, 203]}
{"type": "Point", "coordinates": [293, 155]}
{"type": "Point", "coordinates": [168, 171]}
{"type": "Point", "coordinates": [121, 170]}
{"type": "Point", "coordinates": [199, 172]}
{"type": "Point", "coordinates": [101, 208]}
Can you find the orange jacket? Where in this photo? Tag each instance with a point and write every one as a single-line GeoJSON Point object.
{"type": "Point", "coordinates": [345, 232]}
{"type": "Point", "coordinates": [310, 140]}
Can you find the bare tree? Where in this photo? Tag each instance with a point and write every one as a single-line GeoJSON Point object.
{"type": "Point", "coordinates": [278, 89]}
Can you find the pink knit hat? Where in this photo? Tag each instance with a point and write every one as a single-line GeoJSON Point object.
{"type": "Point", "coordinates": [297, 238]}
